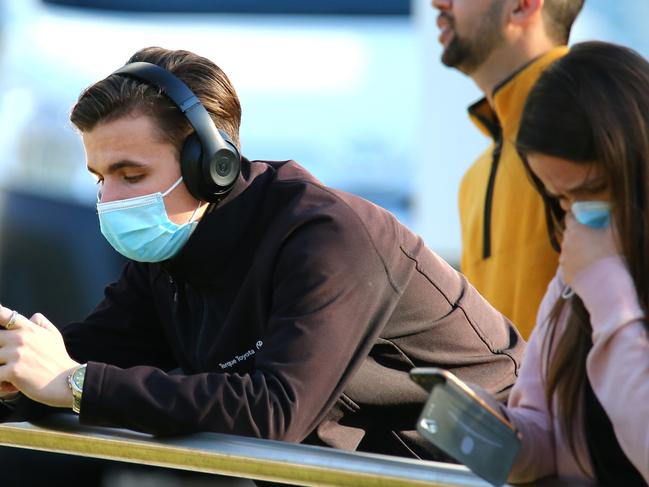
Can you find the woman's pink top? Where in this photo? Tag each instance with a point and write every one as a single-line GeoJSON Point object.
{"type": "Point", "coordinates": [617, 366]}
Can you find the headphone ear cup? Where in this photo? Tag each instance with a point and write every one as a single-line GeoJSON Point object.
{"type": "Point", "coordinates": [191, 157]}
{"type": "Point", "coordinates": [209, 177]}
{"type": "Point", "coordinates": [224, 165]}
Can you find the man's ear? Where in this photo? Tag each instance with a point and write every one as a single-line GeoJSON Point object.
{"type": "Point", "coordinates": [525, 12]}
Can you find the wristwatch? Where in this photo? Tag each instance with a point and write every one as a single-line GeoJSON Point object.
{"type": "Point", "coordinates": [75, 383]}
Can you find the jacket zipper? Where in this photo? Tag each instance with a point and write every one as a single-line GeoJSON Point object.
{"type": "Point", "coordinates": [488, 204]}
{"type": "Point", "coordinates": [174, 287]}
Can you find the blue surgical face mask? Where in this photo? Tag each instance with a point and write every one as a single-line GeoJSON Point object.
{"type": "Point", "coordinates": [595, 214]}
{"type": "Point", "coordinates": [139, 228]}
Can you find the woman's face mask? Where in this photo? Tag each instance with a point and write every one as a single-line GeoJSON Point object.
{"type": "Point", "coordinates": [595, 214]}
{"type": "Point", "coordinates": [140, 229]}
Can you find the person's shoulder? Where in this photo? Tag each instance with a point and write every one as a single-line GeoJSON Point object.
{"type": "Point", "coordinates": [291, 180]}
{"type": "Point", "coordinates": [348, 218]}
{"type": "Point", "coordinates": [316, 196]}
{"type": "Point", "coordinates": [287, 170]}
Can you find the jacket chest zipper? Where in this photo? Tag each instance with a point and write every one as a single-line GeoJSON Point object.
{"type": "Point", "coordinates": [174, 288]}
{"type": "Point", "coordinates": [488, 205]}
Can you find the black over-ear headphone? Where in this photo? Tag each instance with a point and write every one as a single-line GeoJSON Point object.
{"type": "Point", "coordinates": [209, 160]}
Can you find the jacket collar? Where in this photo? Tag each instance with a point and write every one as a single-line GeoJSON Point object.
{"type": "Point", "coordinates": [509, 98]}
{"type": "Point", "coordinates": [209, 252]}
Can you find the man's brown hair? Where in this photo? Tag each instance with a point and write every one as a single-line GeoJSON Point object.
{"type": "Point", "coordinates": [118, 96]}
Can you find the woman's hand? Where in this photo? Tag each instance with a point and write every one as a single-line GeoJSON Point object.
{"type": "Point", "coordinates": [34, 360]}
{"type": "Point", "coordinates": [583, 246]}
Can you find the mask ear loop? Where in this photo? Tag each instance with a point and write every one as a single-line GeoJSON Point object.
{"type": "Point", "coordinates": [174, 186]}
{"type": "Point", "coordinates": [191, 218]}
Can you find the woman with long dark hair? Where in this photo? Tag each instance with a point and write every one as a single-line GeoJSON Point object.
{"type": "Point", "coordinates": [582, 398]}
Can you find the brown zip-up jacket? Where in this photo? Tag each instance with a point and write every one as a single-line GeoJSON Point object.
{"type": "Point", "coordinates": [294, 312]}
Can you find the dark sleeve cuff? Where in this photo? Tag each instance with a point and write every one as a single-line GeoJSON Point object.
{"type": "Point", "coordinates": [92, 386]}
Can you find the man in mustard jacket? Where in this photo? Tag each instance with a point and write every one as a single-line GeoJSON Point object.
{"type": "Point", "coordinates": [504, 45]}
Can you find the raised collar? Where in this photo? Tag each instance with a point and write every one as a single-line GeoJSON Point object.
{"type": "Point", "coordinates": [209, 253]}
{"type": "Point", "coordinates": [509, 98]}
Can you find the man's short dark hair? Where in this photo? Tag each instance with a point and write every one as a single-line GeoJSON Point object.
{"type": "Point", "coordinates": [117, 96]}
{"type": "Point", "coordinates": [558, 16]}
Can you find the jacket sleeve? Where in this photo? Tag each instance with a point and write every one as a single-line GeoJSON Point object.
{"type": "Point", "coordinates": [123, 329]}
{"type": "Point", "coordinates": [331, 295]}
{"type": "Point", "coordinates": [527, 407]}
{"type": "Point", "coordinates": [618, 363]}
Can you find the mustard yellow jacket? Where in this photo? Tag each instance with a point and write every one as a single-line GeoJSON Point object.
{"type": "Point", "coordinates": [506, 250]}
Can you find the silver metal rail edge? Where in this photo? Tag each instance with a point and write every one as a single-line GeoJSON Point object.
{"type": "Point", "coordinates": [235, 456]}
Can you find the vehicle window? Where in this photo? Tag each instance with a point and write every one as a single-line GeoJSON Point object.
{"type": "Point", "coordinates": [310, 7]}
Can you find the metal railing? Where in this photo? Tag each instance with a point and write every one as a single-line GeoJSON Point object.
{"type": "Point", "coordinates": [235, 456]}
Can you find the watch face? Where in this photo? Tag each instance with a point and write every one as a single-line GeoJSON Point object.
{"type": "Point", "coordinates": [78, 377]}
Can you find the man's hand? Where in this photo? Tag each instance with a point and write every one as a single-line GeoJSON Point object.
{"type": "Point", "coordinates": [582, 246]}
{"type": "Point", "coordinates": [34, 360]}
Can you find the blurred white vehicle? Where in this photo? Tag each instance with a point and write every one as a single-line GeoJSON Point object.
{"type": "Point", "coordinates": [329, 83]}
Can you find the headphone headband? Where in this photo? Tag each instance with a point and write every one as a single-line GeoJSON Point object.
{"type": "Point", "coordinates": [219, 158]}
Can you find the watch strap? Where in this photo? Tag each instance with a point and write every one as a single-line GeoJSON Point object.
{"type": "Point", "coordinates": [75, 383]}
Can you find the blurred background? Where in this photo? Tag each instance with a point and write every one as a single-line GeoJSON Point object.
{"type": "Point", "coordinates": [351, 89]}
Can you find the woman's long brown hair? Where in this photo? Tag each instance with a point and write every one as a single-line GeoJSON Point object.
{"type": "Point", "coordinates": [592, 107]}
